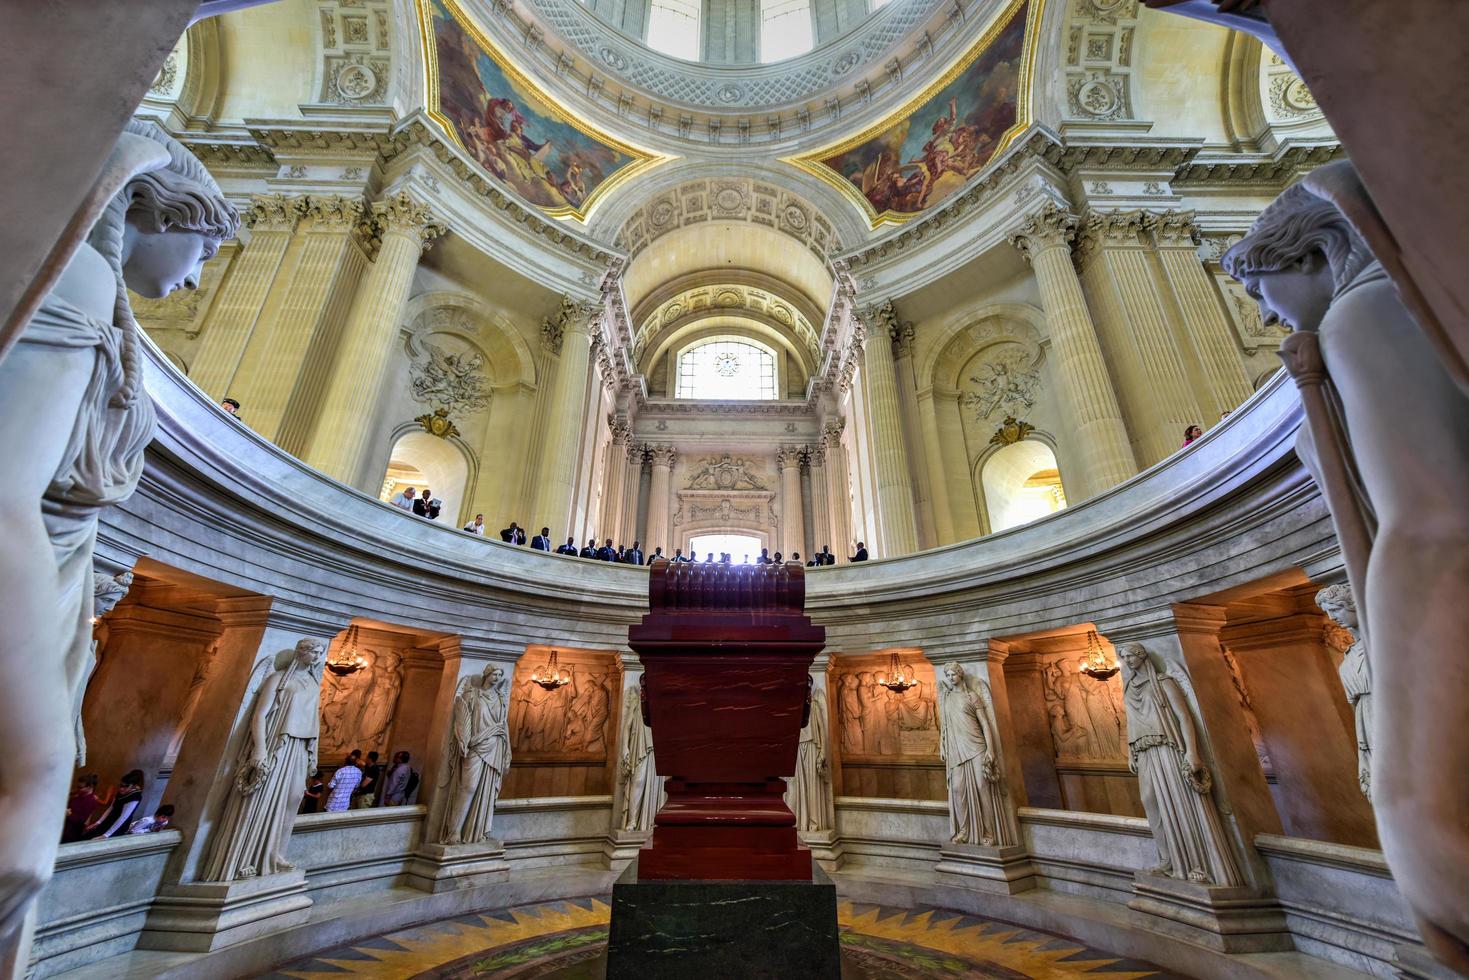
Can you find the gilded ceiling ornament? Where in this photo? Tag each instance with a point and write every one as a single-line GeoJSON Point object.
{"type": "Point", "coordinates": [438, 423]}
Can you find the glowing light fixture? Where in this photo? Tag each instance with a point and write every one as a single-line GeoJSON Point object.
{"type": "Point", "coordinates": [346, 660]}
{"type": "Point", "coordinates": [1095, 662]}
{"type": "Point", "coordinates": [899, 676]}
{"type": "Point", "coordinates": [551, 674]}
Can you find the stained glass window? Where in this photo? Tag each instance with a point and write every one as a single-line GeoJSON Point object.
{"type": "Point", "coordinates": [726, 370]}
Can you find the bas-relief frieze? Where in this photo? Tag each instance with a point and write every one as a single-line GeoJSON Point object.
{"type": "Point", "coordinates": [1085, 714]}
{"type": "Point", "coordinates": [357, 709]}
{"type": "Point", "coordinates": [570, 723]}
{"type": "Point", "coordinates": [877, 722]}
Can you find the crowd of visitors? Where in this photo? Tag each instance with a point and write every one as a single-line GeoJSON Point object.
{"type": "Point", "coordinates": [359, 784]}
{"type": "Point", "coordinates": [94, 816]}
{"type": "Point", "coordinates": [635, 555]}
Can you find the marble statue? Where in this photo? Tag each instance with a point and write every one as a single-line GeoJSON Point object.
{"type": "Point", "coordinates": [1356, 675]}
{"type": "Point", "coordinates": [1163, 749]}
{"type": "Point", "coordinates": [75, 423]}
{"type": "Point", "coordinates": [641, 786]}
{"type": "Point", "coordinates": [979, 811]}
{"type": "Point", "coordinates": [1386, 436]}
{"type": "Point", "coordinates": [478, 755]}
{"type": "Point", "coordinates": [275, 759]}
{"type": "Point", "coordinates": [809, 792]}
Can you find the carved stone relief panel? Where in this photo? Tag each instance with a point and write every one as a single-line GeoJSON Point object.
{"type": "Point", "coordinates": [1099, 59]}
{"type": "Point", "coordinates": [728, 199]}
{"type": "Point", "coordinates": [1085, 714]}
{"type": "Point", "coordinates": [726, 472]}
{"type": "Point", "coordinates": [564, 740]}
{"type": "Point", "coordinates": [875, 722]}
{"type": "Point", "coordinates": [357, 709]}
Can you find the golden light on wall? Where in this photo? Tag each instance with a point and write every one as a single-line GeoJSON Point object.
{"type": "Point", "coordinates": [346, 659]}
{"type": "Point", "coordinates": [1095, 662]}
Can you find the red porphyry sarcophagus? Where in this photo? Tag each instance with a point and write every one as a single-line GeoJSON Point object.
{"type": "Point", "coordinates": [726, 653]}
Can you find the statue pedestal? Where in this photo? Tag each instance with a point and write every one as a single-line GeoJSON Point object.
{"type": "Point", "coordinates": [446, 867]}
{"type": "Point", "coordinates": [1227, 919]}
{"type": "Point", "coordinates": [751, 929]}
{"type": "Point", "coordinates": [203, 916]}
{"type": "Point", "coordinates": [622, 846]}
{"type": "Point", "coordinates": [726, 653]}
{"type": "Point", "coordinates": [825, 848]}
{"type": "Point", "coordinates": [1003, 870]}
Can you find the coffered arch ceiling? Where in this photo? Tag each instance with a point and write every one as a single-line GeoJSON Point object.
{"type": "Point", "coordinates": [731, 250]}
{"type": "Point", "coordinates": [763, 299]}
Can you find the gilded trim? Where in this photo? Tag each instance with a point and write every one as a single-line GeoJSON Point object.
{"type": "Point", "coordinates": [643, 159]}
{"type": "Point", "coordinates": [811, 162]}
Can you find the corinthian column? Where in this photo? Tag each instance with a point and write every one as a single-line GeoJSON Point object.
{"type": "Point", "coordinates": [838, 494]}
{"type": "Point", "coordinates": [343, 427]}
{"type": "Point", "coordinates": [663, 458]}
{"type": "Point", "coordinates": [1095, 420]}
{"type": "Point", "coordinates": [792, 526]}
{"type": "Point", "coordinates": [820, 512]}
{"type": "Point", "coordinates": [556, 490]}
{"type": "Point", "coordinates": [271, 219]}
{"type": "Point", "coordinates": [895, 503]}
{"type": "Point", "coordinates": [632, 486]}
{"type": "Point", "coordinates": [611, 519]}
{"type": "Point", "coordinates": [1175, 233]}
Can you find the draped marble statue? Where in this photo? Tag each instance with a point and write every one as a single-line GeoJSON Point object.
{"type": "Point", "coordinates": [641, 786]}
{"type": "Point", "coordinates": [809, 791]}
{"type": "Point", "coordinates": [477, 757]}
{"type": "Point", "coordinates": [275, 759]}
{"type": "Point", "coordinates": [75, 423]}
{"type": "Point", "coordinates": [1356, 675]}
{"type": "Point", "coordinates": [979, 810]}
{"type": "Point", "coordinates": [1386, 436]}
{"type": "Point", "coordinates": [1163, 749]}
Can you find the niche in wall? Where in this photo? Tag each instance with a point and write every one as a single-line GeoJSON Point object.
{"type": "Point", "coordinates": [1021, 483]}
{"type": "Point", "coordinates": [884, 744]}
{"type": "Point", "coordinates": [563, 742]}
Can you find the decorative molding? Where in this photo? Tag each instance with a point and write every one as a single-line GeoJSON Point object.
{"type": "Point", "coordinates": [728, 199]}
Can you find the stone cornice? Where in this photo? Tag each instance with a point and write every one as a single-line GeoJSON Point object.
{"type": "Point", "coordinates": [656, 407]}
{"type": "Point", "coordinates": [1263, 171]}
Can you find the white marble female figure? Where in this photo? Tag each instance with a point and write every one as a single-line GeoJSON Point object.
{"type": "Point", "coordinates": [979, 812]}
{"type": "Point", "coordinates": [478, 755]}
{"type": "Point", "coordinates": [276, 757]}
{"type": "Point", "coordinates": [1356, 675]}
{"type": "Point", "coordinates": [1387, 438]}
{"type": "Point", "coordinates": [1163, 750]}
{"type": "Point", "coordinates": [809, 792]}
{"type": "Point", "coordinates": [73, 429]}
{"type": "Point", "coordinates": [642, 787]}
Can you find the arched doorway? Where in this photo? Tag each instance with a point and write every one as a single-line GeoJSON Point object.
{"type": "Point", "coordinates": [421, 460]}
{"type": "Point", "coordinates": [1021, 483]}
{"type": "Point", "coordinates": [738, 545]}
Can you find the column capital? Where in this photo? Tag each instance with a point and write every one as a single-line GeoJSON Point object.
{"type": "Point", "coordinates": [1052, 226]}
{"type": "Point", "coordinates": [815, 455]}
{"type": "Point", "coordinates": [401, 213]}
{"type": "Point", "coordinates": [831, 431]}
{"type": "Point", "coordinates": [1173, 229]}
{"type": "Point", "coordinates": [621, 428]}
{"type": "Point", "coordinates": [272, 212]}
{"type": "Point", "coordinates": [663, 455]}
{"type": "Point", "coordinates": [1112, 229]}
{"type": "Point", "coordinates": [637, 452]}
{"type": "Point", "coordinates": [334, 212]}
{"type": "Point", "coordinates": [788, 457]}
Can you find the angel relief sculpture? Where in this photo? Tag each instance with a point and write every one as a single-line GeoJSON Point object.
{"type": "Point", "coordinates": [451, 383]}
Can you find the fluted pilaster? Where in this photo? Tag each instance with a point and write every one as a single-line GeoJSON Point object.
{"type": "Point", "coordinates": [632, 486]}
{"type": "Point", "coordinates": [792, 521]}
{"type": "Point", "coordinates": [659, 498]}
{"type": "Point", "coordinates": [1175, 234]}
{"type": "Point", "coordinates": [1100, 437]}
{"type": "Point", "coordinates": [820, 509]}
{"type": "Point", "coordinates": [838, 492]}
{"type": "Point", "coordinates": [895, 498]}
{"type": "Point", "coordinates": [405, 228]}
{"type": "Point", "coordinates": [610, 524]}
{"type": "Point", "coordinates": [556, 489]}
{"type": "Point", "coordinates": [271, 219]}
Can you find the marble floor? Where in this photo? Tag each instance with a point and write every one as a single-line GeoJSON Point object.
{"type": "Point", "coordinates": [567, 941]}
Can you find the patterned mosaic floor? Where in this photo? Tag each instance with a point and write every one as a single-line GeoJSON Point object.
{"type": "Point", "coordinates": [567, 941]}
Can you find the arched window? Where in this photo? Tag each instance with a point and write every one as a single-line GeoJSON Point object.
{"type": "Point", "coordinates": [785, 29]}
{"type": "Point", "coordinates": [673, 28]}
{"type": "Point", "coordinates": [1021, 483]}
{"type": "Point", "coordinates": [725, 369]}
